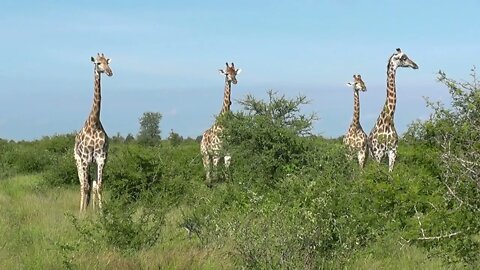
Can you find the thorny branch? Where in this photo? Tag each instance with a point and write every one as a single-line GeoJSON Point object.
{"type": "Point", "coordinates": [424, 237]}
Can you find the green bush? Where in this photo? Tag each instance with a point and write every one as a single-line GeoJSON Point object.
{"type": "Point", "coordinates": [453, 133]}
{"type": "Point", "coordinates": [266, 138]}
{"type": "Point", "coordinates": [131, 170]}
{"type": "Point", "coordinates": [63, 171]}
{"type": "Point", "coordinates": [131, 227]}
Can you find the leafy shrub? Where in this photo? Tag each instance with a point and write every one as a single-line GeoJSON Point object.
{"type": "Point", "coordinates": [453, 131]}
{"type": "Point", "coordinates": [62, 172]}
{"type": "Point", "coordinates": [132, 227]}
{"type": "Point", "coordinates": [265, 138]}
{"type": "Point", "coordinates": [131, 170]}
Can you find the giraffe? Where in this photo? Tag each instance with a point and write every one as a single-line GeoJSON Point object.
{"type": "Point", "coordinates": [356, 139]}
{"type": "Point", "coordinates": [384, 138]}
{"type": "Point", "coordinates": [211, 144]}
{"type": "Point", "coordinates": [91, 143]}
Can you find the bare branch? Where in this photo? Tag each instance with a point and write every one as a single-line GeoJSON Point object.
{"type": "Point", "coordinates": [439, 237]}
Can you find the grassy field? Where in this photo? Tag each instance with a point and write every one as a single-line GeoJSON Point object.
{"type": "Point", "coordinates": [38, 233]}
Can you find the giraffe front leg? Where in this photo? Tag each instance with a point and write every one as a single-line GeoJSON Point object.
{"type": "Point", "coordinates": [362, 154]}
{"type": "Point", "coordinates": [215, 161]}
{"type": "Point", "coordinates": [392, 156]}
{"type": "Point", "coordinates": [82, 170]}
{"type": "Point", "coordinates": [206, 166]}
{"type": "Point", "coordinates": [227, 159]}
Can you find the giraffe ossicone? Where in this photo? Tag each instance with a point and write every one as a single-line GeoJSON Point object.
{"type": "Point", "coordinates": [356, 139]}
{"type": "Point", "coordinates": [91, 143]}
{"type": "Point", "coordinates": [383, 138]}
{"type": "Point", "coordinates": [211, 146]}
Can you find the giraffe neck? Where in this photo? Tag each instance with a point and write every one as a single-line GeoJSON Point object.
{"type": "Point", "coordinates": [226, 97]}
{"type": "Point", "coordinates": [391, 101]}
{"type": "Point", "coordinates": [97, 98]}
{"type": "Point", "coordinates": [356, 108]}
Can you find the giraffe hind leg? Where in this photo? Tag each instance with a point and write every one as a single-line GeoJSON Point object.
{"type": "Point", "coordinates": [377, 151]}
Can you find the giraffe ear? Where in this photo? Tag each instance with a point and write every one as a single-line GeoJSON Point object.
{"type": "Point", "coordinates": [221, 71]}
{"type": "Point", "coordinates": [238, 70]}
{"type": "Point", "coordinates": [108, 61]}
{"type": "Point", "coordinates": [349, 84]}
{"type": "Point", "coordinates": [93, 59]}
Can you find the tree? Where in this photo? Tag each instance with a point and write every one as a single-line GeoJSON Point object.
{"type": "Point", "coordinates": [117, 138]}
{"type": "Point", "coordinates": [268, 138]}
{"type": "Point", "coordinates": [129, 138]}
{"type": "Point", "coordinates": [149, 133]}
{"type": "Point", "coordinates": [174, 138]}
{"type": "Point", "coordinates": [454, 132]}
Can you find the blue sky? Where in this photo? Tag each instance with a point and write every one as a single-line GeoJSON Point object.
{"type": "Point", "coordinates": [165, 57]}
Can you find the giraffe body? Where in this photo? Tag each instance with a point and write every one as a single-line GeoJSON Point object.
{"type": "Point", "coordinates": [383, 138]}
{"type": "Point", "coordinates": [211, 146]}
{"type": "Point", "coordinates": [355, 139]}
{"type": "Point", "coordinates": [91, 143]}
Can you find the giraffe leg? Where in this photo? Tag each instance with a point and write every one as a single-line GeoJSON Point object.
{"type": "Point", "coordinates": [216, 160]}
{"type": "Point", "coordinates": [97, 185]}
{"type": "Point", "coordinates": [378, 152]}
{"type": "Point", "coordinates": [392, 155]}
{"type": "Point", "coordinates": [349, 155]}
{"type": "Point", "coordinates": [84, 187]}
{"type": "Point", "coordinates": [362, 154]}
{"type": "Point", "coordinates": [94, 193]}
{"type": "Point", "coordinates": [82, 170]}
{"type": "Point", "coordinates": [206, 166]}
{"type": "Point", "coordinates": [227, 159]}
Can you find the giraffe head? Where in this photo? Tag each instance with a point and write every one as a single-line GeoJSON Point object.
{"type": "Point", "coordinates": [230, 73]}
{"type": "Point", "coordinates": [357, 84]}
{"type": "Point", "coordinates": [400, 59]}
{"type": "Point", "coordinates": [102, 64]}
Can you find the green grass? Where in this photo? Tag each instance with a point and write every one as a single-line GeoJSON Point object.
{"type": "Point", "coordinates": [32, 223]}
{"type": "Point", "coordinates": [390, 253]}
{"type": "Point", "coordinates": [37, 233]}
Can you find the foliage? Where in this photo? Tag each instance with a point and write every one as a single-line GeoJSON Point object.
{"type": "Point", "coordinates": [453, 132]}
{"type": "Point", "coordinates": [149, 133]}
{"type": "Point", "coordinates": [266, 137]}
{"type": "Point", "coordinates": [35, 157]}
{"type": "Point", "coordinates": [131, 170]}
{"type": "Point", "coordinates": [174, 138]}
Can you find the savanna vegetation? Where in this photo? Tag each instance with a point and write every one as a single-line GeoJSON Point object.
{"type": "Point", "coordinates": [290, 199]}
